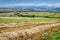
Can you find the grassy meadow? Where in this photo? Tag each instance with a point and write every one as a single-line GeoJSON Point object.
{"type": "Point", "coordinates": [18, 20]}
{"type": "Point", "coordinates": [37, 14]}
{"type": "Point", "coordinates": [29, 18]}
{"type": "Point", "coordinates": [41, 17]}
{"type": "Point", "coordinates": [53, 36]}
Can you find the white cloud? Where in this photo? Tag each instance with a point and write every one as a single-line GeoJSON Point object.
{"type": "Point", "coordinates": [30, 4]}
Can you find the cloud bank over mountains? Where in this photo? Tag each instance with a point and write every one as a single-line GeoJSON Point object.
{"type": "Point", "coordinates": [29, 4]}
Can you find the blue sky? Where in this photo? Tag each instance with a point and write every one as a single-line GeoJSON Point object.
{"type": "Point", "coordinates": [11, 3]}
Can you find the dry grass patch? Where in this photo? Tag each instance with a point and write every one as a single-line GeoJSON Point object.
{"type": "Point", "coordinates": [28, 31]}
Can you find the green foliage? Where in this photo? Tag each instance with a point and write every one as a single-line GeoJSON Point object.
{"type": "Point", "coordinates": [54, 36]}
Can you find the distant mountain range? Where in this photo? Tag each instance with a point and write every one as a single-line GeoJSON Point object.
{"type": "Point", "coordinates": [32, 8]}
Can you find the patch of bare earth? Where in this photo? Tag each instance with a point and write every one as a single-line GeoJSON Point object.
{"type": "Point", "coordinates": [27, 31]}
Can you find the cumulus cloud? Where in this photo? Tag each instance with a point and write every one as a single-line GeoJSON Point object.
{"type": "Point", "coordinates": [30, 4]}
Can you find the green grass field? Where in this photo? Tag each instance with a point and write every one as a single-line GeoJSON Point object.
{"type": "Point", "coordinates": [50, 14]}
{"type": "Point", "coordinates": [53, 36]}
{"type": "Point", "coordinates": [17, 20]}
{"type": "Point", "coordinates": [29, 19]}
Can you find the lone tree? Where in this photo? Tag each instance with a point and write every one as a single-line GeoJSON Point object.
{"type": "Point", "coordinates": [33, 16]}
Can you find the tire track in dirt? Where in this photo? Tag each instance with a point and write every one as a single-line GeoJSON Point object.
{"type": "Point", "coordinates": [28, 33]}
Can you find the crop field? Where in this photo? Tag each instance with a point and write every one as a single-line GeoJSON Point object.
{"type": "Point", "coordinates": [16, 27]}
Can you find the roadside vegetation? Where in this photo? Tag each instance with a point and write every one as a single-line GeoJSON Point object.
{"type": "Point", "coordinates": [53, 36]}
